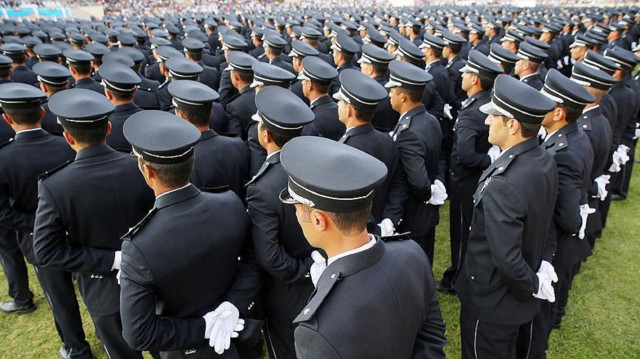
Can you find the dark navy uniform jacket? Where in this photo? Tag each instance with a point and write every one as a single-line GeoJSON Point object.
{"type": "Point", "coordinates": [470, 145]}
{"type": "Point", "coordinates": [572, 152]}
{"type": "Point", "coordinates": [153, 72]}
{"type": "Point", "coordinates": [83, 210]}
{"type": "Point", "coordinates": [377, 304]}
{"type": "Point", "coordinates": [282, 64]}
{"type": "Point", "coordinates": [296, 88]}
{"type": "Point", "coordinates": [597, 127]}
{"type": "Point", "coordinates": [627, 103]}
{"type": "Point", "coordinates": [456, 95]}
{"type": "Point", "coordinates": [89, 84]}
{"type": "Point", "coordinates": [50, 121]}
{"type": "Point", "coordinates": [22, 160]}
{"type": "Point", "coordinates": [385, 118]}
{"type": "Point", "coordinates": [220, 161]}
{"type": "Point", "coordinates": [6, 132]}
{"type": "Point", "coordinates": [513, 209]}
{"type": "Point", "coordinates": [418, 138]}
{"type": "Point", "coordinates": [381, 146]}
{"type": "Point", "coordinates": [534, 81]}
{"type": "Point", "coordinates": [164, 97]}
{"type": "Point", "coordinates": [178, 264]}
{"type": "Point", "coordinates": [117, 118]}
{"type": "Point", "coordinates": [482, 47]}
{"type": "Point", "coordinates": [145, 96]}
{"type": "Point", "coordinates": [440, 79]}
{"type": "Point", "coordinates": [209, 76]}
{"type": "Point", "coordinates": [24, 75]}
{"type": "Point", "coordinates": [326, 122]}
{"type": "Point", "coordinates": [240, 108]}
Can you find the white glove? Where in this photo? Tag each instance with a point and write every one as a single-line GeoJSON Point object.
{"type": "Point", "coordinates": [585, 211]}
{"type": "Point", "coordinates": [118, 277]}
{"type": "Point", "coordinates": [226, 325]}
{"type": "Point", "coordinates": [546, 267]}
{"type": "Point", "coordinates": [210, 319]}
{"type": "Point", "coordinates": [117, 259]}
{"type": "Point", "coordinates": [447, 111]}
{"type": "Point", "coordinates": [542, 133]}
{"type": "Point", "coordinates": [438, 193]}
{"type": "Point", "coordinates": [494, 152]}
{"type": "Point", "coordinates": [616, 161]}
{"type": "Point", "coordinates": [386, 227]}
{"type": "Point", "coordinates": [318, 266]}
{"type": "Point", "coordinates": [545, 288]}
{"type": "Point", "coordinates": [624, 157]}
{"type": "Point", "coordinates": [637, 133]}
{"type": "Point", "coordinates": [602, 181]}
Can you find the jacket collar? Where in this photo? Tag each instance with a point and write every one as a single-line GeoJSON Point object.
{"type": "Point", "coordinates": [126, 107]}
{"type": "Point", "coordinates": [341, 268]}
{"type": "Point", "coordinates": [505, 159]}
{"type": "Point", "coordinates": [271, 160]}
{"type": "Point", "coordinates": [560, 136]}
{"type": "Point", "coordinates": [93, 151]}
{"type": "Point", "coordinates": [29, 134]}
{"type": "Point", "coordinates": [205, 135]}
{"type": "Point", "coordinates": [321, 101]}
{"type": "Point", "coordinates": [359, 130]}
{"type": "Point", "coordinates": [177, 196]}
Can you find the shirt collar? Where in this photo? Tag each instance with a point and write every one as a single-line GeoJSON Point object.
{"type": "Point", "coordinates": [589, 109]}
{"type": "Point", "coordinates": [173, 190]}
{"type": "Point", "coordinates": [529, 75]}
{"type": "Point", "coordinates": [362, 248]}
{"type": "Point", "coordinates": [271, 155]}
{"type": "Point", "coordinates": [29, 130]}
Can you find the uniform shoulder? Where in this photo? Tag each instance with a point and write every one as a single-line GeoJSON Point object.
{"type": "Point", "coordinates": [53, 171]}
{"type": "Point", "coordinates": [6, 143]}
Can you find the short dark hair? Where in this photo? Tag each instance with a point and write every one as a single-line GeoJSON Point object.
{"type": "Point", "coordinates": [88, 136]}
{"type": "Point", "coordinates": [322, 88]}
{"type": "Point", "coordinates": [414, 95]}
{"type": "Point", "coordinates": [527, 130]}
{"type": "Point", "coordinates": [364, 114]}
{"type": "Point", "coordinates": [486, 83]}
{"type": "Point", "coordinates": [5, 71]}
{"type": "Point", "coordinates": [121, 95]}
{"type": "Point", "coordinates": [275, 51]}
{"type": "Point", "coordinates": [197, 115]}
{"type": "Point", "coordinates": [571, 113]}
{"type": "Point", "coordinates": [24, 116]}
{"type": "Point", "coordinates": [380, 69]}
{"type": "Point", "coordinates": [280, 139]}
{"type": "Point", "coordinates": [97, 60]}
{"type": "Point", "coordinates": [455, 48]}
{"type": "Point", "coordinates": [56, 88]}
{"type": "Point", "coordinates": [18, 58]}
{"type": "Point", "coordinates": [174, 174]}
{"type": "Point", "coordinates": [347, 57]}
{"type": "Point", "coordinates": [437, 51]}
{"type": "Point", "coordinates": [245, 76]}
{"type": "Point", "coordinates": [351, 223]}
{"type": "Point", "coordinates": [195, 55]}
{"type": "Point", "coordinates": [83, 68]}
{"type": "Point", "coordinates": [534, 66]}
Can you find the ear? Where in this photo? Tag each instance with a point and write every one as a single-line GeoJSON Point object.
{"type": "Point", "coordinates": [70, 140]}
{"type": "Point", "coordinates": [42, 113]}
{"type": "Point", "coordinates": [514, 127]}
{"type": "Point", "coordinates": [7, 119]}
{"type": "Point", "coordinates": [43, 87]}
{"type": "Point", "coordinates": [351, 112]}
{"type": "Point", "coordinates": [73, 71]}
{"type": "Point", "coordinates": [319, 220]}
{"type": "Point", "coordinates": [108, 128]}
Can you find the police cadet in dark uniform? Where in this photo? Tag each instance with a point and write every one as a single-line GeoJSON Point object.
{"type": "Point", "coordinates": [120, 85]}
{"type": "Point", "coordinates": [498, 285]}
{"type": "Point", "coordinates": [53, 78]}
{"type": "Point", "coordinates": [18, 54]}
{"type": "Point", "coordinates": [527, 67]}
{"type": "Point", "coordinates": [343, 51]}
{"type": "Point", "coordinates": [476, 35]}
{"type": "Point", "coordinates": [281, 249]}
{"type": "Point", "coordinates": [71, 231]}
{"type": "Point", "coordinates": [241, 106]}
{"type": "Point", "coordinates": [573, 155]}
{"type": "Point", "coordinates": [273, 46]}
{"type": "Point", "coordinates": [432, 49]}
{"type": "Point", "coordinates": [374, 63]}
{"type": "Point", "coordinates": [146, 92]}
{"type": "Point", "coordinates": [300, 50]}
{"type": "Point", "coordinates": [175, 291]}
{"type": "Point", "coordinates": [598, 128]}
{"type": "Point", "coordinates": [175, 68]}
{"type": "Point", "coordinates": [220, 161]}
{"type": "Point", "coordinates": [469, 156]}
{"type": "Point", "coordinates": [316, 77]}
{"type": "Point", "coordinates": [418, 138]}
{"type": "Point", "coordinates": [193, 50]}
{"type": "Point", "coordinates": [32, 152]}
{"type": "Point", "coordinates": [387, 287]}
{"type": "Point", "coordinates": [152, 71]}
{"type": "Point", "coordinates": [232, 42]}
{"type": "Point", "coordinates": [79, 62]}
{"type": "Point", "coordinates": [504, 58]}
{"type": "Point", "coordinates": [359, 96]}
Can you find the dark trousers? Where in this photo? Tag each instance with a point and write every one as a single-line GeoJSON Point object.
{"type": "Point", "coordinates": [460, 213]}
{"type": "Point", "coordinates": [533, 338]}
{"type": "Point", "coordinates": [109, 331]}
{"type": "Point", "coordinates": [561, 288]}
{"type": "Point", "coordinates": [628, 170]}
{"type": "Point", "coordinates": [60, 293]}
{"type": "Point", "coordinates": [15, 268]}
{"type": "Point", "coordinates": [427, 242]}
{"type": "Point", "coordinates": [482, 340]}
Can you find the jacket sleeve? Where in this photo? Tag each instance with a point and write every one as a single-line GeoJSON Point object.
{"type": "Point", "coordinates": [410, 152]}
{"type": "Point", "coordinates": [567, 210]}
{"type": "Point", "coordinates": [50, 244]}
{"type": "Point", "coordinates": [270, 254]}
{"type": "Point", "coordinates": [10, 217]}
{"type": "Point", "coordinates": [235, 124]}
{"type": "Point", "coordinates": [466, 137]}
{"type": "Point", "coordinates": [397, 195]}
{"type": "Point", "coordinates": [430, 340]}
{"type": "Point", "coordinates": [436, 103]}
{"type": "Point", "coordinates": [504, 229]}
{"type": "Point", "coordinates": [310, 344]}
{"type": "Point", "coordinates": [142, 329]}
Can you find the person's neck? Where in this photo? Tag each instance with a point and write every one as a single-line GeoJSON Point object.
{"type": "Point", "coordinates": [350, 122]}
{"type": "Point", "coordinates": [81, 146]}
{"type": "Point", "coordinates": [242, 86]}
{"type": "Point", "coordinates": [592, 105]}
{"type": "Point", "coordinates": [527, 73]}
{"type": "Point", "coordinates": [121, 102]}
{"type": "Point", "coordinates": [512, 141]}
{"type": "Point", "coordinates": [474, 90]}
{"type": "Point", "coordinates": [14, 65]}
{"type": "Point", "coordinates": [203, 128]}
{"type": "Point", "coordinates": [270, 56]}
{"type": "Point", "coordinates": [159, 188]}
{"type": "Point", "coordinates": [346, 243]}
{"type": "Point", "coordinates": [340, 62]}
{"type": "Point", "coordinates": [272, 148]}
{"type": "Point", "coordinates": [404, 108]}
{"type": "Point", "coordinates": [78, 77]}
{"type": "Point", "coordinates": [555, 126]}
{"type": "Point", "coordinates": [313, 95]}
{"type": "Point", "coordinates": [17, 127]}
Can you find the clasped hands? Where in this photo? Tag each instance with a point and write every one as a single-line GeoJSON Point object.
{"type": "Point", "coordinates": [222, 324]}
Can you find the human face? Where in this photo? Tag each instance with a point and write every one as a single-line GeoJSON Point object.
{"type": "Point", "coordinates": [394, 97]}
{"type": "Point", "coordinates": [578, 52]}
{"type": "Point", "coordinates": [467, 81]}
{"type": "Point", "coordinates": [343, 111]}
{"type": "Point", "coordinates": [498, 131]}
{"type": "Point", "coordinates": [519, 67]}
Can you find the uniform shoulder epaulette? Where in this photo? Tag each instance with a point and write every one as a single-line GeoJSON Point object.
{"type": "Point", "coordinates": [54, 170]}
{"type": "Point", "coordinates": [397, 237]}
{"type": "Point", "coordinates": [6, 143]}
{"type": "Point", "coordinates": [144, 88]}
{"type": "Point", "coordinates": [129, 235]}
{"type": "Point", "coordinates": [219, 189]}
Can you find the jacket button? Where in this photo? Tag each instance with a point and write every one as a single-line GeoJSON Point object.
{"type": "Point", "coordinates": [333, 276]}
{"type": "Point", "coordinates": [306, 311]}
{"type": "Point", "coordinates": [473, 277]}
